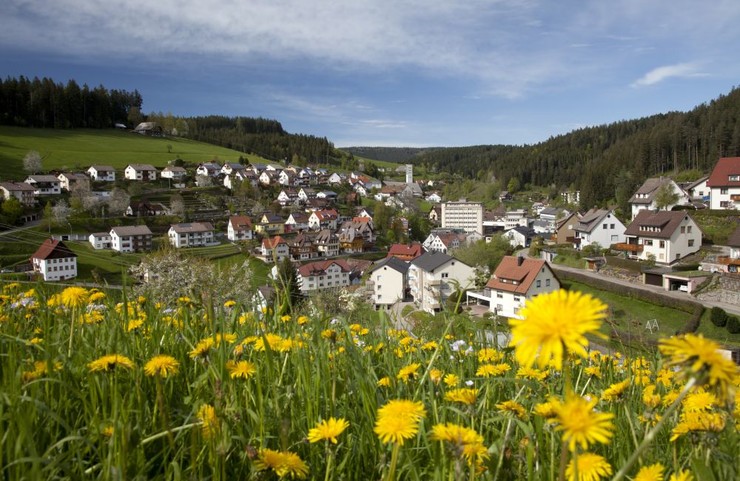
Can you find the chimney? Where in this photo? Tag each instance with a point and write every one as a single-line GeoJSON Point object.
{"type": "Point", "coordinates": [519, 260]}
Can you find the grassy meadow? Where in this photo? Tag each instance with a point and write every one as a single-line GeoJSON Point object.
{"type": "Point", "coordinates": [93, 387]}
{"type": "Point", "coordinates": [77, 149]}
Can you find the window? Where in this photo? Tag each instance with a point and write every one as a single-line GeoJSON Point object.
{"type": "Point", "coordinates": [606, 226]}
{"type": "Point", "coordinates": [688, 229]}
{"type": "Point", "coordinates": [499, 295]}
{"type": "Point", "coordinates": [648, 242]}
{"type": "Point", "coordinates": [662, 244]}
{"type": "Point", "coordinates": [723, 190]}
{"type": "Point", "coordinates": [539, 283]}
{"type": "Point", "coordinates": [445, 275]}
{"type": "Point", "coordinates": [691, 242]}
{"type": "Point", "coordinates": [547, 282]}
{"type": "Point", "coordinates": [683, 229]}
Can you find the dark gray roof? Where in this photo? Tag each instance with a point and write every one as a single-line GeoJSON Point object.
{"type": "Point", "coordinates": [394, 263]}
{"type": "Point", "coordinates": [431, 260]}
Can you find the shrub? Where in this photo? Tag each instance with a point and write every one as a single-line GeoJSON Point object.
{"type": "Point", "coordinates": [733, 325]}
{"type": "Point", "coordinates": [718, 316]}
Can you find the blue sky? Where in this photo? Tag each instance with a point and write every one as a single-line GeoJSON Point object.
{"type": "Point", "coordinates": [390, 73]}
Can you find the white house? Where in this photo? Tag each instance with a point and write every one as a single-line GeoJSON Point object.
{"type": "Point", "coordinates": [515, 280]}
{"type": "Point", "coordinates": [297, 221]}
{"type": "Point", "coordinates": [663, 236]}
{"type": "Point", "coordinates": [287, 196]}
{"type": "Point", "coordinates": [230, 168]}
{"type": "Point", "coordinates": [327, 243]}
{"type": "Point", "coordinates": [698, 189]}
{"type": "Point", "coordinates": [44, 184]}
{"type": "Point", "coordinates": [389, 282]}
{"type": "Point", "coordinates": [520, 236]}
{"type": "Point", "coordinates": [323, 219]}
{"type": "Point", "coordinates": [239, 228]}
{"type": "Point", "coordinates": [724, 184]}
{"type": "Point", "coordinates": [646, 197]}
{"type": "Point", "coordinates": [20, 190]}
{"type": "Point", "coordinates": [54, 261]}
{"type": "Point", "coordinates": [140, 172]}
{"type": "Point", "coordinates": [434, 276]}
{"type": "Point", "coordinates": [191, 234]}
{"type": "Point", "coordinates": [434, 197]}
{"type": "Point", "coordinates": [209, 169]}
{"type": "Point", "coordinates": [274, 249]}
{"type": "Point", "coordinates": [268, 177]}
{"type": "Point", "coordinates": [102, 173]}
{"type": "Point", "coordinates": [334, 179]}
{"type": "Point", "coordinates": [598, 227]}
{"type": "Point", "coordinates": [323, 275]}
{"type": "Point", "coordinates": [174, 172]}
{"type": "Point", "coordinates": [131, 238]}
{"type": "Point", "coordinates": [100, 240]}
{"type": "Point", "coordinates": [306, 193]}
{"type": "Point", "coordinates": [443, 241]}
{"type": "Point", "coordinates": [69, 181]}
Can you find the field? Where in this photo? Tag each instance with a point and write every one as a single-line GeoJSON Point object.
{"type": "Point", "coordinates": [97, 389]}
{"type": "Point", "coordinates": [78, 149]}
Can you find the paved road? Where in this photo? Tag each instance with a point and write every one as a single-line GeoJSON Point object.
{"type": "Point", "coordinates": [730, 308]}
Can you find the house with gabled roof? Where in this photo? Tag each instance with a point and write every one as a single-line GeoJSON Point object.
{"type": "Point", "coordinates": [323, 219]}
{"type": "Point", "coordinates": [44, 184]}
{"type": "Point", "coordinates": [325, 274]}
{"type": "Point", "coordinates": [174, 172]}
{"type": "Point", "coordinates": [25, 193]}
{"type": "Point", "coordinates": [268, 177]}
{"type": "Point", "coordinates": [230, 168]}
{"type": "Point", "coordinates": [191, 234]}
{"type": "Point", "coordinates": [287, 196]}
{"type": "Point", "coordinates": [515, 280]}
{"type": "Point", "coordinates": [54, 261]}
{"type": "Point", "coordinates": [389, 282]}
{"type": "Point", "coordinates": [724, 184]}
{"type": "Point", "coordinates": [100, 240]}
{"type": "Point", "coordinates": [443, 240]}
{"type": "Point", "coordinates": [239, 228]}
{"type": "Point", "coordinates": [327, 243]}
{"type": "Point", "coordinates": [665, 236]}
{"type": "Point", "coordinates": [434, 276]}
{"type": "Point", "coordinates": [520, 236]}
{"type": "Point", "coordinates": [598, 227]}
{"type": "Point", "coordinates": [140, 172]}
{"type": "Point", "coordinates": [564, 229]}
{"type": "Point", "coordinates": [274, 249]}
{"type": "Point", "coordinates": [302, 247]}
{"type": "Point", "coordinates": [209, 169]}
{"type": "Point", "coordinates": [296, 222]}
{"type": "Point", "coordinates": [645, 198]}
{"type": "Point", "coordinates": [144, 208]}
{"type": "Point", "coordinates": [405, 252]}
{"type": "Point", "coordinates": [306, 193]}
{"type": "Point", "coordinates": [132, 238]}
{"type": "Point", "coordinates": [270, 224]}
{"type": "Point", "coordinates": [102, 173]}
{"type": "Point", "coordinates": [71, 180]}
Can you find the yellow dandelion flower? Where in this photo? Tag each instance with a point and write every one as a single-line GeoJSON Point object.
{"type": "Point", "coordinates": [594, 371]}
{"type": "Point", "coordinates": [96, 296]}
{"type": "Point", "coordinates": [398, 421]}
{"type": "Point", "coordinates": [531, 373]}
{"type": "Point", "coordinates": [615, 391]}
{"type": "Point", "coordinates": [654, 472]}
{"type": "Point", "coordinates": [698, 421]}
{"type": "Point", "coordinates": [283, 463]}
{"type": "Point", "coordinates": [302, 320]}
{"type": "Point", "coordinates": [327, 430]}
{"type": "Point", "coordinates": [384, 382]}
{"type": "Point", "coordinates": [581, 425]}
{"type": "Point", "coordinates": [514, 408]}
{"type": "Point", "coordinates": [700, 401]}
{"type": "Point", "coordinates": [108, 431]}
{"type": "Point", "coordinates": [545, 410]}
{"type": "Point", "coordinates": [74, 297]}
{"type": "Point", "coordinates": [489, 355]}
{"type": "Point", "coordinates": [436, 375]}
{"type": "Point", "coordinates": [40, 369]}
{"type": "Point", "coordinates": [588, 467]}
{"type": "Point", "coordinates": [553, 325]}
{"type": "Point", "coordinates": [241, 369]}
{"type": "Point", "coordinates": [429, 346]}
{"type": "Point", "coordinates": [682, 476]}
{"type": "Point", "coordinates": [202, 347]}
{"type": "Point", "coordinates": [701, 358]}
{"type": "Point", "coordinates": [451, 380]}
{"type": "Point", "coordinates": [409, 373]}
{"type": "Point", "coordinates": [162, 366]}
{"type": "Point", "coordinates": [649, 397]}
{"type": "Point", "coordinates": [462, 395]}
{"type": "Point", "coordinates": [134, 325]}
{"type": "Point", "coordinates": [492, 370]}
{"type": "Point", "coordinates": [209, 421]}
{"type": "Point", "coordinates": [462, 441]}
{"type": "Point", "coordinates": [110, 362]}
{"type": "Point", "coordinates": [285, 318]}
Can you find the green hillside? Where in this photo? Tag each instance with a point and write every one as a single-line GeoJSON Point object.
{"type": "Point", "coordinates": [79, 148]}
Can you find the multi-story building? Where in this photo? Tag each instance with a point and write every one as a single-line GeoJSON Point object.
{"type": "Point", "coordinates": [323, 275]}
{"type": "Point", "coordinates": [239, 228]}
{"type": "Point", "coordinates": [462, 214]}
{"type": "Point", "coordinates": [131, 238]}
{"type": "Point", "coordinates": [140, 172]}
{"type": "Point", "coordinates": [44, 184]}
{"type": "Point", "coordinates": [388, 279]}
{"type": "Point", "coordinates": [662, 236]}
{"type": "Point", "coordinates": [724, 184]}
{"type": "Point", "coordinates": [20, 190]}
{"type": "Point", "coordinates": [100, 240]}
{"type": "Point", "coordinates": [598, 227]}
{"type": "Point", "coordinates": [274, 249]}
{"type": "Point", "coordinates": [54, 261]}
{"type": "Point", "coordinates": [102, 173]}
{"type": "Point", "coordinates": [647, 198]}
{"type": "Point", "coordinates": [191, 234]}
{"type": "Point", "coordinates": [434, 276]}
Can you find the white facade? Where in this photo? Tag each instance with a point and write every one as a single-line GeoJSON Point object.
{"type": "Point", "coordinates": [389, 283]}
{"type": "Point", "coordinates": [275, 249]}
{"type": "Point", "coordinates": [100, 240]}
{"type": "Point", "coordinates": [322, 276]}
{"type": "Point", "coordinates": [599, 227]}
{"type": "Point", "coordinates": [174, 172]}
{"type": "Point", "coordinates": [239, 229]}
{"type": "Point", "coordinates": [54, 261]}
{"type": "Point", "coordinates": [140, 172]}
{"type": "Point", "coordinates": [44, 184]}
{"type": "Point", "coordinates": [663, 236]}
{"type": "Point", "coordinates": [195, 234]}
{"type": "Point", "coordinates": [434, 276]}
{"type": "Point", "coordinates": [102, 173]}
{"type": "Point", "coordinates": [464, 215]}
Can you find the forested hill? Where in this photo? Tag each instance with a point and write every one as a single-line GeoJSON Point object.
{"type": "Point", "coordinates": [399, 155]}
{"type": "Point", "coordinates": [45, 103]}
{"type": "Point", "coordinates": [608, 161]}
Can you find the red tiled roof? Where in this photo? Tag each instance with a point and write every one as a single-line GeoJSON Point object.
{"type": "Point", "coordinates": [53, 249]}
{"type": "Point", "coordinates": [318, 267]}
{"type": "Point", "coordinates": [512, 277]}
{"type": "Point", "coordinates": [405, 251]}
{"type": "Point", "coordinates": [272, 243]}
{"type": "Point", "coordinates": [239, 222]}
{"type": "Point", "coordinates": [726, 166]}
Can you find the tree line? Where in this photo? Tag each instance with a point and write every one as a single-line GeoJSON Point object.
{"type": "Point", "coordinates": [43, 103]}
{"type": "Point", "coordinates": [607, 162]}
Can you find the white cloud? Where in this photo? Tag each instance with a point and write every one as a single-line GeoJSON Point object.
{"type": "Point", "coordinates": [659, 74]}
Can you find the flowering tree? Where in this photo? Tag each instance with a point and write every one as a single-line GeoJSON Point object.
{"type": "Point", "coordinates": [32, 162]}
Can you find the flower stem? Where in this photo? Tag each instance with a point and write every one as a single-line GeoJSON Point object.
{"type": "Point", "coordinates": [394, 461]}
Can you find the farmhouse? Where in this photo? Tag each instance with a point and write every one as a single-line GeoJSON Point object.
{"type": "Point", "coordinates": [54, 261]}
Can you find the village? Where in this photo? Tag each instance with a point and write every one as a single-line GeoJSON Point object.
{"type": "Point", "coordinates": [327, 247]}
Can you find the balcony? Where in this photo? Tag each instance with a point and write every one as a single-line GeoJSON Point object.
{"type": "Point", "coordinates": [623, 246]}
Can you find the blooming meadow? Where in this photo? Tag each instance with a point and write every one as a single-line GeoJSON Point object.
{"type": "Point", "coordinates": [97, 388]}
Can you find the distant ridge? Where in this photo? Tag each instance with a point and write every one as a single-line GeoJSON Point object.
{"type": "Point", "coordinates": [397, 155]}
